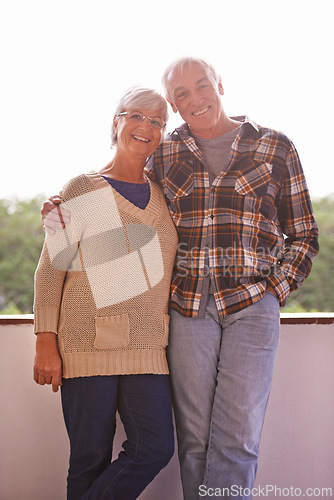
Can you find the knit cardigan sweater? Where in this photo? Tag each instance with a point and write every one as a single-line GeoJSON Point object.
{"type": "Point", "coordinates": [102, 284]}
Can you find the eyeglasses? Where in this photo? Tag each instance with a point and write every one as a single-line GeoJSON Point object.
{"type": "Point", "coordinates": [136, 116]}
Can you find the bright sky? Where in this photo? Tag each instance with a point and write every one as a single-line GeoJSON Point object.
{"type": "Point", "coordinates": [64, 65]}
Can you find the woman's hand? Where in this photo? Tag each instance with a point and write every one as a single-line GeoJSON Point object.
{"type": "Point", "coordinates": [47, 364]}
{"type": "Point", "coordinates": [53, 216]}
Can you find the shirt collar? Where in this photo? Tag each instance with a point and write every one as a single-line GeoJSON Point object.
{"type": "Point", "coordinates": [189, 141]}
{"type": "Point", "coordinates": [246, 121]}
{"type": "Point", "coordinates": [183, 130]}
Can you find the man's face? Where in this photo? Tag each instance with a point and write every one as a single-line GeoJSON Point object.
{"type": "Point", "coordinates": [196, 96]}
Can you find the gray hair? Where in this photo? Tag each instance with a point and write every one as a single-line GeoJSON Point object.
{"type": "Point", "coordinates": [179, 65]}
{"type": "Point", "coordinates": [139, 97]}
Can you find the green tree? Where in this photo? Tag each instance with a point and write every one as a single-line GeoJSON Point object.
{"type": "Point", "coordinates": [21, 237]}
{"type": "Point", "coordinates": [316, 293]}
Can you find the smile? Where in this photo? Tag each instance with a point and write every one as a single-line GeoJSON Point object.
{"type": "Point", "coordinates": [201, 111]}
{"type": "Point", "coordinates": [138, 138]}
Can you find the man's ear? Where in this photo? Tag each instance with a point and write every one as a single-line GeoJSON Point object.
{"type": "Point", "coordinates": [220, 86]}
{"type": "Point", "coordinates": [174, 108]}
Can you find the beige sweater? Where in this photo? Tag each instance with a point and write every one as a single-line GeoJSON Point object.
{"type": "Point", "coordinates": [102, 283]}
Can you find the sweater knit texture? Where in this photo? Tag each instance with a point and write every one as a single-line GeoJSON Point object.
{"type": "Point", "coordinates": [102, 284]}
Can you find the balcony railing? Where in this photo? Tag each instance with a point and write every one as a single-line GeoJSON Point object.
{"type": "Point", "coordinates": [297, 442]}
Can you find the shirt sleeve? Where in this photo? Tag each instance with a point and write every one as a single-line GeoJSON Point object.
{"type": "Point", "coordinates": [299, 227]}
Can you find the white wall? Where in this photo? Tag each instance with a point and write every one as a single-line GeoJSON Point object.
{"type": "Point", "coordinates": [297, 447]}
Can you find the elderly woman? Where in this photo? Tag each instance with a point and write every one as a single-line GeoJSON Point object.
{"type": "Point", "coordinates": [101, 312]}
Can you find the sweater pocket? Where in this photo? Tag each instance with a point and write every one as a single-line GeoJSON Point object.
{"type": "Point", "coordinates": [112, 332]}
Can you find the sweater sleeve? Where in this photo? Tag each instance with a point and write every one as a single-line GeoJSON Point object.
{"type": "Point", "coordinates": [48, 291]}
{"type": "Point", "coordinates": [59, 255]}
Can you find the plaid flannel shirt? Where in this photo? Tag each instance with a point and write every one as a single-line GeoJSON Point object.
{"type": "Point", "coordinates": [252, 226]}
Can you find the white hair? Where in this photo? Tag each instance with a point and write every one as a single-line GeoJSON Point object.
{"type": "Point", "coordinates": [178, 66]}
{"type": "Point", "coordinates": [139, 97]}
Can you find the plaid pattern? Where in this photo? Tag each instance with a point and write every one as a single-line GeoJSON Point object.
{"type": "Point", "coordinates": [252, 226]}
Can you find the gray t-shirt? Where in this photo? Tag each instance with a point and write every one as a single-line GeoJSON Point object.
{"type": "Point", "coordinates": [216, 152]}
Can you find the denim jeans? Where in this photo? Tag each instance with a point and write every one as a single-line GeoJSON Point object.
{"type": "Point", "coordinates": [89, 407]}
{"type": "Point", "coordinates": [221, 374]}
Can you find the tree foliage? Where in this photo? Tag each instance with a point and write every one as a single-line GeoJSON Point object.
{"type": "Point", "coordinates": [316, 293]}
{"type": "Point", "coordinates": [22, 237]}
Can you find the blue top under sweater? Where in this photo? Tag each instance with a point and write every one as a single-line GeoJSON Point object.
{"type": "Point", "coordinates": [138, 194]}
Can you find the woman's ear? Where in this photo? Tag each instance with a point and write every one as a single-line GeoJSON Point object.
{"type": "Point", "coordinates": [115, 122]}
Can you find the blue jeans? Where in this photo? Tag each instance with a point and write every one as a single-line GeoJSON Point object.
{"type": "Point", "coordinates": [89, 407]}
{"type": "Point", "coordinates": [221, 374]}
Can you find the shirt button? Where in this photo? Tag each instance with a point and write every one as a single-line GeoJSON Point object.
{"type": "Point", "coordinates": [212, 216]}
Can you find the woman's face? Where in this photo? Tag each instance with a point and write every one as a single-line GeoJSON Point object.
{"type": "Point", "coordinates": [137, 136]}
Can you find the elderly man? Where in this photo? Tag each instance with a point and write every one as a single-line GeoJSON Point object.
{"type": "Point", "coordinates": [247, 238]}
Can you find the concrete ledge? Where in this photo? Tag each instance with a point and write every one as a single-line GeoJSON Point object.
{"type": "Point", "coordinates": [17, 319]}
{"type": "Point", "coordinates": [325, 318]}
